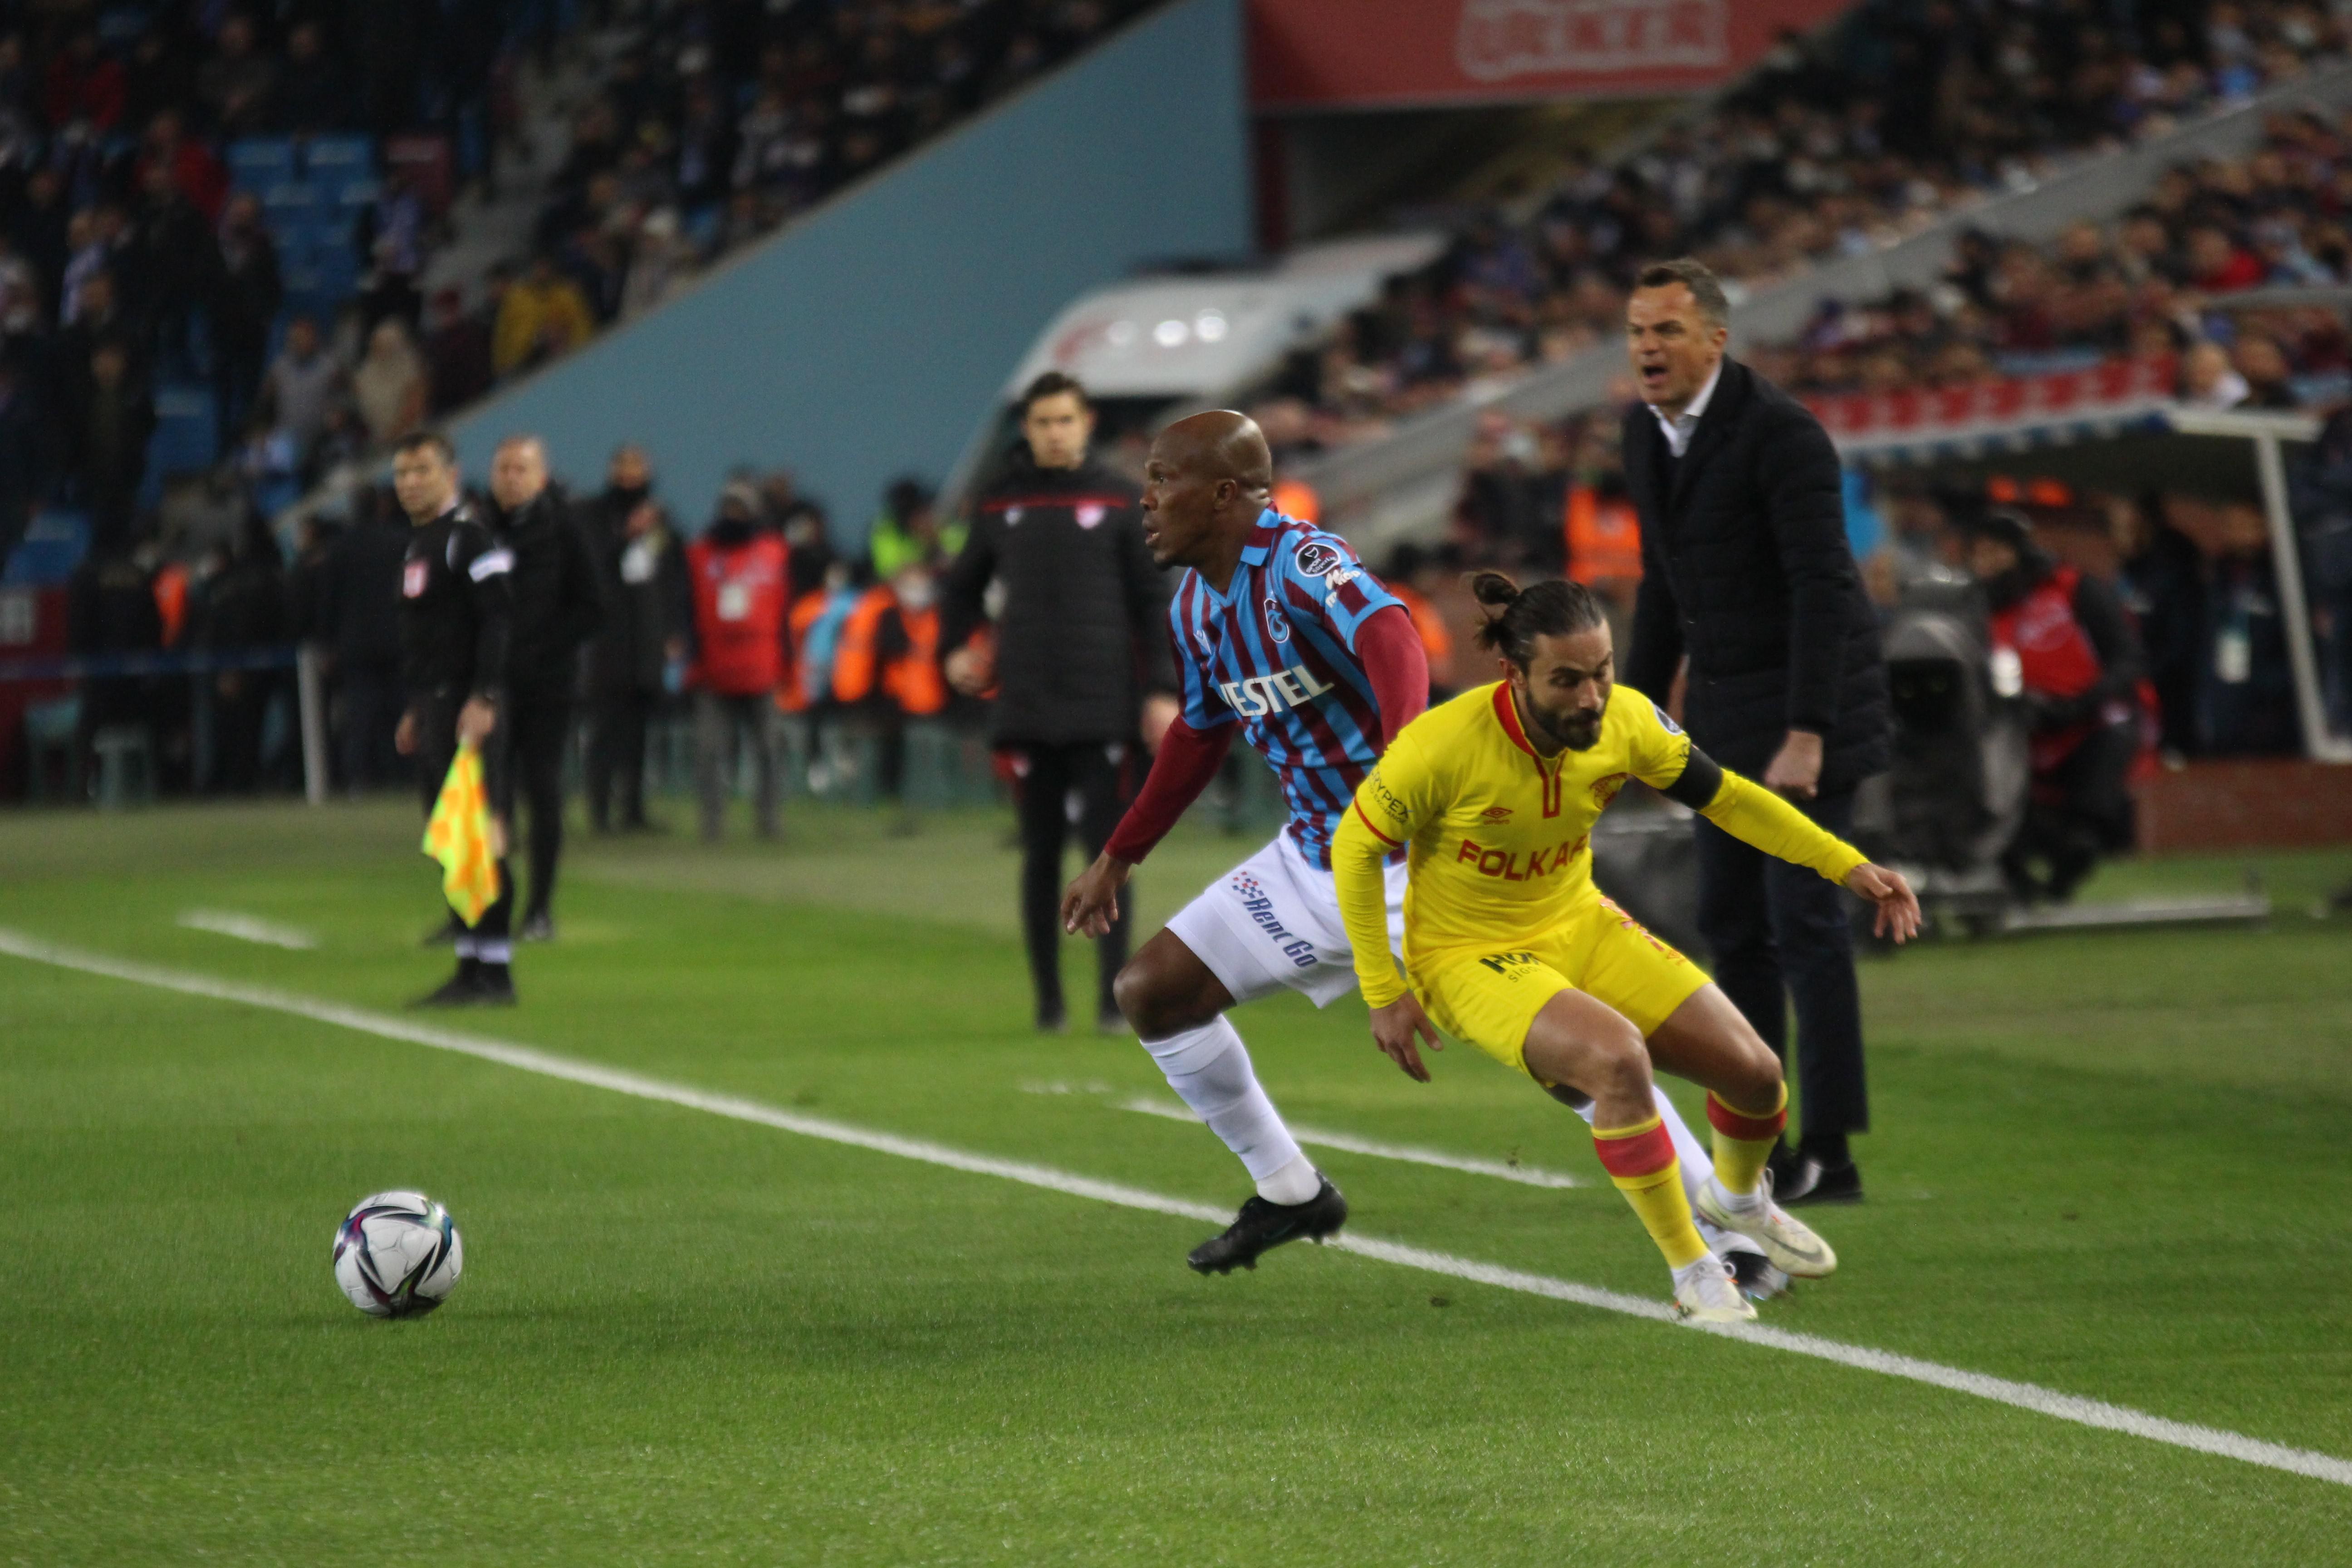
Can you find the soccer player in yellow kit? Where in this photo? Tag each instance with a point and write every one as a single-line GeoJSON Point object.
{"type": "Point", "coordinates": [1509, 945]}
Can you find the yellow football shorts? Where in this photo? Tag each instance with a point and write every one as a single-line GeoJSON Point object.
{"type": "Point", "coordinates": [1490, 999]}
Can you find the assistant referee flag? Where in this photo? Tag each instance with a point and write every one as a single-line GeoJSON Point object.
{"type": "Point", "coordinates": [458, 836]}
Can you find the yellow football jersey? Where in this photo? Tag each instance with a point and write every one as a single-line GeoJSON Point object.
{"type": "Point", "coordinates": [1499, 835]}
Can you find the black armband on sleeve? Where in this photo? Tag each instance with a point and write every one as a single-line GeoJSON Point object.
{"type": "Point", "coordinates": [1701, 782]}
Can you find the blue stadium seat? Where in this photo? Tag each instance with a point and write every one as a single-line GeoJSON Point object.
{"type": "Point", "coordinates": [335, 158]}
{"type": "Point", "coordinates": [256, 161]}
{"type": "Point", "coordinates": [55, 543]}
{"type": "Point", "coordinates": [185, 437]}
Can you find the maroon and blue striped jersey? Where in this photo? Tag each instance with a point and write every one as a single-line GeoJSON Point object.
{"type": "Point", "coordinates": [1277, 650]}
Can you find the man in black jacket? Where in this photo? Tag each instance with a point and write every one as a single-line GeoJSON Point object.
{"type": "Point", "coordinates": [1081, 662]}
{"type": "Point", "coordinates": [1747, 573]}
{"type": "Point", "coordinates": [646, 609]}
{"type": "Point", "coordinates": [456, 617]}
{"type": "Point", "coordinates": [359, 618]}
{"type": "Point", "coordinates": [557, 605]}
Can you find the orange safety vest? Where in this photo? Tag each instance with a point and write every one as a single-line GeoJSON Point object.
{"type": "Point", "coordinates": [856, 657]}
{"type": "Point", "coordinates": [914, 679]}
{"type": "Point", "coordinates": [1295, 498]}
{"type": "Point", "coordinates": [791, 696]}
{"type": "Point", "coordinates": [1604, 538]}
{"type": "Point", "coordinates": [1436, 639]}
{"type": "Point", "coordinates": [170, 591]}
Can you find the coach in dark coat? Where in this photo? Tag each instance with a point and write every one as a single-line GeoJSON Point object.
{"type": "Point", "coordinates": [1747, 574]}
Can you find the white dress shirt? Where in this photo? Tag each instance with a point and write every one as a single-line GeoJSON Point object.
{"type": "Point", "coordinates": [1682, 426]}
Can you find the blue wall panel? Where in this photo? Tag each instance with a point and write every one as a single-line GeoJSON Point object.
{"type": "Point", "coordinates": [869, 337]}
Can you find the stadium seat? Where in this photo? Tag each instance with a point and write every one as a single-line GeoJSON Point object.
{"type": "Point", "coordinates": [126, 766]}
{"type": "Point", "coordinates": [256, 162]}
{"type": "Point", "coordinates": [55, 543]}
{"type": "Point", "coordinates": [50, 730]}
{"type": "Point", "coordinates": [185, 437]}
{"type": "Point", "coordinates": [338, 158]}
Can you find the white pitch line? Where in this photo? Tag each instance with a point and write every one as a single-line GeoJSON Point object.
{"type": "Point", "coordinates": [1348, 1143]}
{"type": "Point", "coordinates": [2001, 1390]}
{"type": "Point", "coordinates": [248, 927]}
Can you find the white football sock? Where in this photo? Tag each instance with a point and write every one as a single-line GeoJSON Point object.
{"type": "Point", "coordinates": [1210, 1069]}
{"type": "Point", "coordinates": [1294, 1184]}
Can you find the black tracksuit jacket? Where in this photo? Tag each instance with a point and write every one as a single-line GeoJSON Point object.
{"type": "Point", "coordinates": [1084, 632]}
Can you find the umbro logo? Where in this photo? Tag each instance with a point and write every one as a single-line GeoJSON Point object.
{"type": "Point", "coordinates": [1495, 814]}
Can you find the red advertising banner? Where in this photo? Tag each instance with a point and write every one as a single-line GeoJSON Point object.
{"type": "Point", "coordinates": [1342, 54]}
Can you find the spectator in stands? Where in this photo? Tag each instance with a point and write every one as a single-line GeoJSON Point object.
{"type": "Point", "coordinates": [359, 619]}
{"type": "Point", "coordinates": [24, 458]}
{"type": "Point", "coordinates": [2081, 673]}
{"type": "Point", "coordinates": [390, 388]}
{"type": "Point", "coordinates": [459, 353]}
{"type": "Point", "coordinates": [2160, 579]}
{"type": "Point", "coordinates": [238, 82]}
{"type": "Point", "coordinates": [542, 317]}
{"type": "Point", "coordinates": [248, 289]}
{"type": "Point", "coordinates": [177, 262]}
{"type": "Point", "coordinates": [303, 385]}
{"type": "Point", "coordinates": [2207, 380]}
{"type": "Point", "coordinates": [312, 95]}
{"type": "Point", "coordinates": [244, 610]}
{"type": "Point", "coordinates": [110, 426]}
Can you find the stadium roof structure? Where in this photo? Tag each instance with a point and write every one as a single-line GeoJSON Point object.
{"type": "Point", "coordinates": [1205, 335]}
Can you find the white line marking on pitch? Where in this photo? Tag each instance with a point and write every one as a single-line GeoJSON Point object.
{"type": "Point", "coordinates": [2001, 1390]}
{"type": "Point", "coordinates": [248, 928]}
{"type": "Point", "coordinates": [1348, 1143]}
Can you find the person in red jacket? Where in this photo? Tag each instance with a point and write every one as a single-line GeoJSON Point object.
{"type": "Point", "coordinates": [2069, 642]}
{"type": "Point", "coordinates": [737, 572]}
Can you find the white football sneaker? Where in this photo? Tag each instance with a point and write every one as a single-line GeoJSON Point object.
{"type": "Point", "coordinates": [1707, 1292]}
{"type": "Point", "coordinates": [1787, 1240]}
{"type": "Point", "coordinates": [1758, 1279]}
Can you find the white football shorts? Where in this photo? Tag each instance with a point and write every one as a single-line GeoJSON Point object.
{"type": "Point", "coordinates": [1273, 921]}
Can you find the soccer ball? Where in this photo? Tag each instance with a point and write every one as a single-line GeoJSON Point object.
{"type": "Point", "coordinates": [398, 1255]}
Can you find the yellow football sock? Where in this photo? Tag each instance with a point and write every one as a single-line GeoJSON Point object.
{"type": "Point", "coordinates": [1641, 1160]}
{"type": "Point", "coordinates": [1743, 1142]}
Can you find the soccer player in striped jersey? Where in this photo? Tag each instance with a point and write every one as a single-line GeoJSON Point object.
{"type": "Point", "coordinates": [1282, 636]}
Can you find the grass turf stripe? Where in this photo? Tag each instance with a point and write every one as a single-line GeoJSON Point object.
{"type": "Point", "coordinates": [2030, 1396]}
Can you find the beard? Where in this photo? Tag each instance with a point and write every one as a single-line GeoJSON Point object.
{"type": "Point", "coordinates": [1577, 729]}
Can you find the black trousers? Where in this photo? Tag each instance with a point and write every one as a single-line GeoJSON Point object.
{"type": "Point", "coordinates": [1084, 784]}
{"type": "Point", "coordinates": [538, 728]}
{"type": "Point", "coordinates": [616, 757]}
{"type": "Point", "coordinates": [2080, 810]}
{"type": "Point", "coordinates": [1779, 932]}
{"type": "Point", "coordinates": [436, 748]}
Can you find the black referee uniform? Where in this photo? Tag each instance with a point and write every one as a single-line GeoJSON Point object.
{"type": "Point", "coordinates": [1083, 636]}
{"type": "Point", "coordinates": [557, 605]}
{"type": "Point", "coordinates": [457, 615]}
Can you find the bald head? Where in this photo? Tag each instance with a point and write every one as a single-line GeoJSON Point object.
{"type": "Point", "coordinates": [1208, 479]}
{"type": "Point", "coordinates": [1219, 445]}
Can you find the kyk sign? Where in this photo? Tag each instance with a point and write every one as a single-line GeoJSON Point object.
{"type": "Point", "coordinates": [1338, 54]}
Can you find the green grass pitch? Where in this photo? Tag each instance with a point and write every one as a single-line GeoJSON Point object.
{"type": "Point", "coordinates": [2112, 1166]}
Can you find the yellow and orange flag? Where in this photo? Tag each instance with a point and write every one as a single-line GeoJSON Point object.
{"type": "Point", "coordinates": [459, 836]}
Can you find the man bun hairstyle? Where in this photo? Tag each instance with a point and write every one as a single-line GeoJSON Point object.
{"type": "Point", "coordinates": [1714, 305]}
{"type": "Point", "coordinates": [1552, 609]}
{"type": "Point", "coordinates": [1053, 384]}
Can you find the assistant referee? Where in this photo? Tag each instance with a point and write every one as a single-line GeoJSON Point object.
{"type": "Point", "coordinates": [1081, 662]}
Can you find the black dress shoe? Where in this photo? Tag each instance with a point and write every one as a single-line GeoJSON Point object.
{"type": "Point", "coordinates": [1786, 1165]}
{"type": "Point", "coordinates": [462, 989]}
{"type": "Point", "coordinates": [539, 927]}
{"type": "Point", "coordinates": [1815, 1183]}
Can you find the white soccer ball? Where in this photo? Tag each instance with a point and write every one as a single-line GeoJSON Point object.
{"type": "Point", "coordinates": [398, 1255]}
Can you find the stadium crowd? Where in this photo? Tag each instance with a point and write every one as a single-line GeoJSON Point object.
{"type": "Point", "coordinates": [1907, 111]}
{"type": "Point", "coordinates": [2155, 283]}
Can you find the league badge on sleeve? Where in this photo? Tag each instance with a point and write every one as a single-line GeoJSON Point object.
{"type": "Point", "coordinates": [1316, 559]}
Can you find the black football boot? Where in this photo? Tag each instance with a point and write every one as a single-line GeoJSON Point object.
{"type": "Point", "coordinates": [1262, 1225]}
